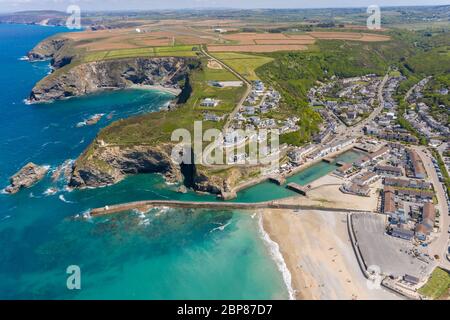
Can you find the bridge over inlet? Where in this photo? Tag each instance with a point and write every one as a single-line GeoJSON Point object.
{"type": "Point", "coordinates": [147, 205]}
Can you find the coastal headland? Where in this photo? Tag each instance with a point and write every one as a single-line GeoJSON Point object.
{"type": "Point", "coordinates": [96, 60]}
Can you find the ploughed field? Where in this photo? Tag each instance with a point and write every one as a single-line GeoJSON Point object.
{"type": "Point", "coordinates": [181, 39]}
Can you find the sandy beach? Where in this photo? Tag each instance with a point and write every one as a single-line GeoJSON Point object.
{"type": "Point", "coordinates": [173, 91]}
{"type": "Point", "coordinates": [317, 251]}
{"type": "Point", "coordinates": [325, 193]}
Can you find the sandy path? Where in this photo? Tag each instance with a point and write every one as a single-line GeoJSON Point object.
{"type": "Point", "coordinates": [317, 251]}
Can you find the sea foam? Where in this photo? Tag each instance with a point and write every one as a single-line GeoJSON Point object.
{"type": "Point", "coordinates": [274, 250]}
{"type": "Point", "coordinates": [221, 227]}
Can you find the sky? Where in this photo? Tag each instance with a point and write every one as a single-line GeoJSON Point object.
{"type": "Point", "coordinates": [17, 5]}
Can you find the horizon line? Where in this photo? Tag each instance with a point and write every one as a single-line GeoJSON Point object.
{"type": "Point", "coordinates": [231, 8]}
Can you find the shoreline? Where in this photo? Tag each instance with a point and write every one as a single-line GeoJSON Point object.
{"type": "Point", "coordinates": [173, 91]}
{"type": "Point", "coordinates": [317, 251]}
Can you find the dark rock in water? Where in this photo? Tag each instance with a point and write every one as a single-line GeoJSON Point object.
{"type": "Point", "coordinates": [182, 189]}
{"type": "Point", "coordinates": [26, 177]}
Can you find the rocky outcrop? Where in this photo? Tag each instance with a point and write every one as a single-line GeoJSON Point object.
{"type": "Point", "coordinates": [106, 165]}
{"type": "Point", "coordinates": [103, 165]}
{"type": "Point", "coordinates": [204, 183]}
{"type": "Point", "coordinates": [111, 74]}
{"type": "Point", "coordinates": [52, 49]}
{"type": "Point", "coordinates": [26, 177]}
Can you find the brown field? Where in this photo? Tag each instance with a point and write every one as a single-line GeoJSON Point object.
{"type": "Point", "coordinates": [193, 40]}
{"type": "Point", "coordinates": [249, 38]}
{"type": "Point", "coordinates": [256, 48]}
{"type": "Point", "coordinates": [286, 41]}
{"type": "Point", "coordinates": [357, 27]}
{"type": "Point", "coordinates": [349, 36]}
{"type": "Point", "coordinates": [124, 42]}
{"type": "Point", "coordinates": [300, 36]}
{"type": "Point", "coordinates": [184, 32]}
{"type": "Point", "coordinates": [374, 37]}
{"type": "Point", "coordinates": [155, 42]}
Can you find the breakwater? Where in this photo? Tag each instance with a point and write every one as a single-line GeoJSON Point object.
{"type": "Point", "coordinates": [147, 205]}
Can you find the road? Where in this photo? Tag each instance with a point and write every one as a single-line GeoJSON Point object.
{"type": "Point", "coordinates": [207, 159]}
{"type": "Point", "coordinates": [240, 77]}
{"type": "Point", "coordinates": [440, 245]}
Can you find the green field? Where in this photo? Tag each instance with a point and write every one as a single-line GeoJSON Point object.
{"type": "Point", "coordinates": [244, 64]}
{"type": "Point", "coordinates": [141, 129]}
{"type": "Point", "coordinates": [438, 285]}
{"type": "Point", "coordinates": [219, 75]}
{"type": "Point", "coordinates": [176, 51]}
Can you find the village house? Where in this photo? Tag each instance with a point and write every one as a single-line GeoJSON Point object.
{"type": "Point", "coordinates": [366, 178]}
{"type": "Point", "coordinates": [356, 189]}
{"type": "Point", "coordinates": [209, 102]}
{"type": "Point", "coordinates": [388, 206]}
{"type": "Point", "coordinates": [297, 155]}
{"type": "Point", "coordinates": [389, 170]}
{"type": "Point", "coordinates": [255, 120]}
{"type": "Point", "coordinates": [407, 183]}
{"type": "Point", "coordinates": [402, 233]}
{"type": "Point", "coordinates": [212, 117]}
{"type": "Point", "coordinates": [362, 162]}
{"type": "Point", "coordinates": [344, 170]}
{"type": "Point", "coordinates": [414, 195]}
{"type": "Point", "coordinates": [426, 226]}
{"type": "Point", "coordinates": [248, 110]}
{"type": "Point", "coordinates": [416, 164]}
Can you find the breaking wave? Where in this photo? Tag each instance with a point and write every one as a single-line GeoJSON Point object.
{"type": "Point", "coordinates": [61, 197]}
{"type": "Point", "coordinates": [221, 227]}
{"type": "Point", "coordinates": [276, 255]}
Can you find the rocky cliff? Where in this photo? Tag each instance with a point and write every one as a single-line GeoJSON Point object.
{"type": "Point", "coordinates": [26, 177]}
{"type": "Point", "coordinates": [87, 78]}
{"type": "Point", "coordinates": [103, 165]}
{"type": "Point", "coordinates": [55, 49]}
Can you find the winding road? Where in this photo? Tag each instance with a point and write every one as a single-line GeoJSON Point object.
{"type": "Point", "coordinates": [207, 153]}
{"type": "Point", "coordinates": [240, 77]}
{"type": "Point", "coordinates": [438, 246]}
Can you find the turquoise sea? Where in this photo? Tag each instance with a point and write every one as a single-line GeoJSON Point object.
{"type": "Point", "coordinates": [165, 254]}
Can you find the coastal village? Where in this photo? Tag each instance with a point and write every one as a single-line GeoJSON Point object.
{"type": "Point", "coordinates": [377, 164]}
{"type": "Point", "coordinates": [350, 99]}
{"type": "Point", "coordinates": [409, 220]}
